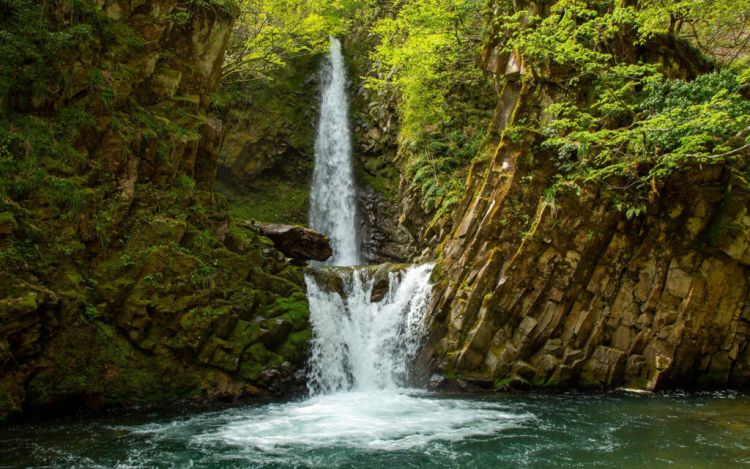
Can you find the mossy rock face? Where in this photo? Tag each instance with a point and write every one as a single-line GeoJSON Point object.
{"type": "Point", "coordinates": [122, 278]}
{"type": "Point", "coordinates": [8, 223]}
{"type": "Point", "coordinates": [109, 371]}
{"type": "Point", "coordinates": [160, 316]}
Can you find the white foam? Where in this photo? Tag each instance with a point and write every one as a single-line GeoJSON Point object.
{"type": "Point", "coordinates": [361, 345]}
{"type": "Point", "coordinates": [384, 420]}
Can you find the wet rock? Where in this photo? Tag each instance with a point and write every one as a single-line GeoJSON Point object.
{"type": "Point", "coordinates": [385, 239]}
{"type": "Point", "coordinates": [329, 279]}
{"type": "Point", "coordinates": [381, 276]}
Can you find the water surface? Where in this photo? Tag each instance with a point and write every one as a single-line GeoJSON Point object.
{"type": "Point", "coordinates": [405, 429]}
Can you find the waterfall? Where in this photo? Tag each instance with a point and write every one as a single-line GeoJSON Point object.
{"type": "Point", "coordinates": [333, 205]}
{"type": "Point", "coordinates": [358, 345]}
{"type": "Point", "coordinates": [362, 351]}
{"type": "Point", "coordinates": [363, 345]}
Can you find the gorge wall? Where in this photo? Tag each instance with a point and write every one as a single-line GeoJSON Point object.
{"type": "Point", "coordinates": [123, 279]}
{"type": "Point", "coordinates": [575, 292]}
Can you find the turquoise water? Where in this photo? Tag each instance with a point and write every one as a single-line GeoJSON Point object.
{"type": "Point", "coordinates": [404, 429]}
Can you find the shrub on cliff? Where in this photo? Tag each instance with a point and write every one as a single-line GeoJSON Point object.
{"type": "Point", "coordinates": [645, 87]}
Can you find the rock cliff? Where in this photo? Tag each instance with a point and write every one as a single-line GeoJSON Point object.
{"type": "Point", "coordinates": [574, 292]}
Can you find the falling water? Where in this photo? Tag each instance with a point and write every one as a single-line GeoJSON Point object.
{"type": "Point", "coordinates": [363, 345]}
{"type": "Point", "coordinates": [357, 344]}
{"type": "Point", "coordinates": [362, 352]}
{"type": "Point", "coordinates": [333, 207]}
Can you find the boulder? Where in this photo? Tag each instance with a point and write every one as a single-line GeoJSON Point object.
{"type": "Point", "coordinates": [297, 242]}
{"type": "Point", "coordinates": [334, 279]}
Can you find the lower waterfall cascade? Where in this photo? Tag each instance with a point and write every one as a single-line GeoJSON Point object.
{"type": "Point", "coordinates": [363, 345]}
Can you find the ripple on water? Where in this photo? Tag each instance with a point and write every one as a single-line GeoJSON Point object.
{"type": "Point", "coordinates": [404, 429]}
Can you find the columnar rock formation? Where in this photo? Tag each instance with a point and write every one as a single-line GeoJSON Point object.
{"type": "Point", "coordinates": [573, 293]}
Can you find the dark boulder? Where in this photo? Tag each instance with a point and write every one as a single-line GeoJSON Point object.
{"type": "Point", "coordinates": [297, 242]}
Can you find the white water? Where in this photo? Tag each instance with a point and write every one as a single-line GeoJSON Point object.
{"type": "Point", "coordinates": [365, 346]}
{"type": "Point", "coordinates": [366, 420]}
{"type": "Point", "coordinates": [361, 359]}
{"type": "Point", "coordinates": [333, 204]}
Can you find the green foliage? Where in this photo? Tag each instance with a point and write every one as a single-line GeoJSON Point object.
{"type": "Point", "coordinates": [637, 122]}
{"type": "Point", "coordinates": [263, 203]}
{"type": "Point", "coordinates": [270, 33]}
{"type": "Point", "coordinates": [717, 27]}
{"type": "Point", "coordinates": [186, 183]}
{"type": "Point", "coordinates": [204, 278]}
{"type": "Point", "coordinates": [91, 312]}
{"type": "Point", "coordinates": [38, 155]}
{"type": "Point", "coordinates": [425, 51]}
{"type": "Point", "coordinates": [225, 7]}
{"type": "Point", "coordinates": [103, 226]}
{"type": "Point", "coordinates": [670, 120]}
{"type": "Point", "coordinates": [34, 37]}
{"type": "Point", "coordinates": [425, 62]}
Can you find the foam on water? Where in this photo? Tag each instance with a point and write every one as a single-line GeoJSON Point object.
{"type": "Point", "coordinates": [362, 355]}
{"type": "Point", "coordinates": [404, 428]}
{"type": "Point", "coordinates": [370, 420]}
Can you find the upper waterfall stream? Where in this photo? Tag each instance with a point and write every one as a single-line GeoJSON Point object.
{"type": "Point", "coordinates": [333, 200]}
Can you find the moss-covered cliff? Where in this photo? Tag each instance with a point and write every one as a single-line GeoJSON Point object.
{"type": "Point", "coordinates": [123, 278]}
{"type": "Point", "coordinates": [269, 145]}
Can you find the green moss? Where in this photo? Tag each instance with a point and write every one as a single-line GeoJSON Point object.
{"type": "Point", "coordinates": [257, 359]}
{"type": "Point", "coordinates": [301, 338]}
{"type": "Point", "coordinates": [108, 370]}
{"type": "Point", "coordinates": [503, 383]}
{"type": "Point", "coordinates": [270, 200]}
{"type": "Point", "coordinates": [539, 380]}
{"type": "Point", "coordinates": [295, 309]}
{"type": "Point", "coordinates": [7, 223]}
{"type": "Point", "coordinates": [379, 174]}
{"type": "Point", "coordinates": [146, 285]}
{"type": "Point", "coordinates": [295, 346]}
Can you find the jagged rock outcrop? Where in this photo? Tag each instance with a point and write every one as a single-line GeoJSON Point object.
{"type": "Point", "coordinates": [574, 293]}
{"type": "Point", "coordinates": [298, 242]}
{"type": "Point", "coordinates": [384, 237]}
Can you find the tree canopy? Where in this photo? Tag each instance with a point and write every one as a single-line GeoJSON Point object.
{"type": "Point", "coordinates": [270, 33]}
